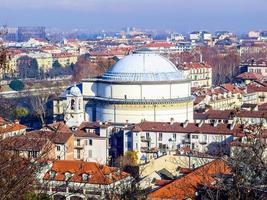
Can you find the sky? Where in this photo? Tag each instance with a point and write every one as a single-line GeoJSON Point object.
{"type": "Point", "coordinates": [177, 15]}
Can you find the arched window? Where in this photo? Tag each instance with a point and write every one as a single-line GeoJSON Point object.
{"type": "Point", "coordinates": [80, 104]}
{"type": "Point", "coordinates": [72, 104]}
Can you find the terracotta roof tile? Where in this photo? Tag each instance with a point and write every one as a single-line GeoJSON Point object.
{"type": "Point", "coordinates": [176, 127]}
{"type": "Point", "coordinates": [98, 174]}
{"type": "Point", "coordinates": [186, 186]}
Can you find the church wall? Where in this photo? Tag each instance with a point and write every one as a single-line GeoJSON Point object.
{"type": "Point", "coordinates": [180, 90]}
{"type": "Point", "coordinates": [89, 88]}
{"type": "Point", "coordinates": [135, 113]}
{"type": "Point", "coordinates": [156, 91]}
{"type": "Point", "coordinates": [128, 91]}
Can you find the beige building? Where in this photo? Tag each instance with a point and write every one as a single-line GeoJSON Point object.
{"type": "Point", "coordinates": [259, 67]}
{"type": "Point", "coordinates": [87, 144]}
{"type": "Point", "coordinates": [44, 60]}
{"type": "Point", "coordinates": [65, 59]}
{"type": "Point", "coordinates": [226, 96]}
{"type": "Point", "coordinates": [199, 73]}
{"type": "Point", "coordinates": [10, 129]}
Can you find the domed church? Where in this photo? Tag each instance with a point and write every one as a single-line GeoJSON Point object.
{"type": "Point", "coordinates": [140, 86]}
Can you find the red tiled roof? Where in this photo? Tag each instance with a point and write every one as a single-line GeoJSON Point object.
{"type": "Point", "coordinates": [59, 127]}
{"type": "Point", "coordinates": [81, 133]}
{"type": "Point", "coordinates": [196, 65]}
{"type": "Point", "coordinates": [252, 114]}
{"type": "Point", "coordinates": [250, 76]}
{"type": "Point", "coordinates": [231, 88]}
{"type": "Point", "coordinates": [98, 174]}
{"type": "Point", "coordinates": [63, 55]}
{"type": "Point", "coordinates": [263, 107]}
{"type": "Point", "coordinates": [186, 186]}
{"type": "Point", "coordinates": [6, 127]}
{"type": "Point", "coordinates": [190, 128]}
{"type": "Point", "coordinates": [256, 87]}
{"type": "Point", "coordinates": [57, 138]}
{"type": "Point", "coordinates": [24, 143]}
{"type": "Point", "coordinates": [159, 182]}
{"type": "Point", "coordinates": [199, 99]}
{"type": "Point", "coordinates": [160, 44]}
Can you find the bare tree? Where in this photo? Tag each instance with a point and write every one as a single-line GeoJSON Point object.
{"type": "Point", "coordinates": [248, 165]}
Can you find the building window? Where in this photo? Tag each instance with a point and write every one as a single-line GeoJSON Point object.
{"type": "Point", "coordinates": [160, 136]}
{"type": "Point", "coordinates": [125, 96]}
{"type": "Point", "coordinates": [136, 146]}
{"type": "Point", "coordinates": [72, 103]}
{"type": "Point", "coordinates": [58, 148]}
{"type": "Point", "coordinates": [90, 142]}
{"type": "Point", "coordinates": [32, 154]}
{"type": "Point", "coordinates": [194, 137]}
{"type": "Point", "coordinates": [147, 135]}
{"type": "Point", "coordinates": [78, 142]}
{"type": "Point", "coordinates": [174, 137]}
{"type": "Point", "coordinates": [90, 153]}
{"type": "Point", "coordinates": [78, 154]}
{"type": "Point", "coordinates": [58, 157]}
{"type": "Point", "coordinates": [80, 104]}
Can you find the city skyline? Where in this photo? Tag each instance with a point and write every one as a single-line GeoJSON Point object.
{"type": "Point", "coordinates": [183, 16]}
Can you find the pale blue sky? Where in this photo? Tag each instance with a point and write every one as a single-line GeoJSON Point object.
{"type": "Point", "coordinates": [180, 15]}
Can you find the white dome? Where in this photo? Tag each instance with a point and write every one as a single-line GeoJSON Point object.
{"type": "Point", "coordinates": [75, 91]}
{"type": "Point", "coordinates": [144, 66]}
{"type": "Point", "coordinates": [143, 63]}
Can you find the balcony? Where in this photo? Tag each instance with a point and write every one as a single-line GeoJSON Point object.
{"type": "Point", "coordinates": [186, 141]}
{"type": "Point", "coordinates": [78, 146]}
{"type": "Point", "coordinates": [144, 139]}
{"type": "Point", "coordinates": [203, 142]}
{"type": "Point", "coordinates": [149, 150]}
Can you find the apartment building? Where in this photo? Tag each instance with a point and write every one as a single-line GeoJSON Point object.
{"type": "Point", "coordinates": [154, 139]}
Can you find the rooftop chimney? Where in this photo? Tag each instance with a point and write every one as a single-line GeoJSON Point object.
{"type": "Point", "coordinates": [200, 123]}
{"type": "Point", "coordinates": [215, 123]}
{"type": "Point", "coordinates": [185, 123]}
{"type": "Point", "coordinates": [171, 121]}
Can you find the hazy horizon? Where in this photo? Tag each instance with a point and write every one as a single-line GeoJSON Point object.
{"type": "Point", "coordinates": [177, 15]}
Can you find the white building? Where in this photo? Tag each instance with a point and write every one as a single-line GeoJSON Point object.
{"type": "Point", "coordinates": [89, 146]}
{"type": "Point", "coordinates": [153, 139]}
{"type": "Point", "coordinates": [141, 86]}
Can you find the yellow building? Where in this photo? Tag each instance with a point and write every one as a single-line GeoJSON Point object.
{"type": "Point", "coordinates": [199, 73]}
{"type": "Point", "coordinates": [65, 59]}
{"type": "Point", "coordinates": [44, 60]}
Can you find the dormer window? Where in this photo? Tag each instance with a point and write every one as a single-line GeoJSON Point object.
{"type": "Point", "coordinates": [68, 175]}
{"type": "Point", "coordinates": [85, 177]}
{"type": "Point", "coordinates": [52, 174]}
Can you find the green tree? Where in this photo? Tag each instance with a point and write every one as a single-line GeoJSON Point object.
{"type": "Point", "coordinates": [21, 112]}
{"type": "Point", "coordinates": [56, 64]}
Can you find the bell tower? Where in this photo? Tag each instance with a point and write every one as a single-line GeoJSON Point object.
{"type": "Point", "coordinates": [74, 115]}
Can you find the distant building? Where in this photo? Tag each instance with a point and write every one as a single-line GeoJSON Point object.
{"type": "Point", "coordinates": [259, 67]}
{"type": "Point", "coordinates": [200, 73]}
{"type": "Point", "coordinates": [140, 86]}
{"type": "Point", "coordinates": [27, 32]}
{"type": "Point", "coordinates": [263, 36]}
{"type": "Point", "coordinates": [186, 187]}
{"type": "Point", "coordinates": [154, 139]}
{"type": "Point", "coordinates": [253, 34]}
{"type": "Point", "coordinates": [82, 180]}
{"type": "Point", "coordinates": [10, 129]}
{"type": "Point", "coordinates": [12, 34]}
{"type": "Point", "coordinates": [195, 36]}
